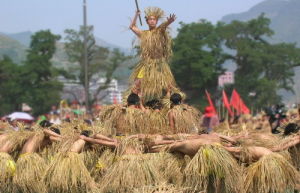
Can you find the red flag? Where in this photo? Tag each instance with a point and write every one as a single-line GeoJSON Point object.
{"type": "Point", "coordinates": [210, 101]}
{"type": "Point", "coordinates": [244, 108]}
{"type": "Point", "coordinates": [237, 103]}
{"type": "Point", "coordinates": [226, 103]}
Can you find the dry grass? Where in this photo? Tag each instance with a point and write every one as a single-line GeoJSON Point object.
{"type": "Point", "coordinates": [212, 168]}
{"type": "Point", "coordinates": [29, 172]}
{"type": "Point", "coordinates": [272, 173]}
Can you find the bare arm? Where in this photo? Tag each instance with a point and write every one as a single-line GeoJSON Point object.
{"type": "Point", "coordinates": [227, 138]}
{"type": "Point", "coordinates": [133, 27]}
{"type": "Point", "coordinates": [284, 146]}
{"type": "Point", "coordinates": [102, 137]}
{"type": "Point", "coordinates": [51, 133]}
{"type": "Point", "coordinates": [99, 141]}
{"type": "Point", "coordinates": [55, 139]}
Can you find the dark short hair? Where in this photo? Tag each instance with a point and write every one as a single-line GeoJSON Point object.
{"type": "Point", "coordinates": [55, 130]}
{"type": "Point", "coordinates": [152, 103]}
{"type": "Point", "coordinates": [45, 123]}
{"type": "Point", "coordinates": [133, 99]}
{"type": "Point", "coordinates": [86, 133]}
{"type": "Point", "coordinates": [176, 99]}
{"type": "Point", "coordinates": [291, 128]}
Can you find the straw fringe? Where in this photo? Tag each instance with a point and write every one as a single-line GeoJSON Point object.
{"type": "Point", "coordinates": [29, 172]}
{"type": "Point", "coordinates": [130, 172]}
{"type": "Point", "coordinates": [186, 119]}
{"type": "Point", "coordinates": [7, 168]}
{"type": "Point", "coordinates": [68, 174]}
{"type": "Point", "coordinates": [211, 168]}
{"type": "Point", "coordinates": [272, 173]}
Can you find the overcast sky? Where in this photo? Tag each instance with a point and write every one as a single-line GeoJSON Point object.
{"type": "Point", "coordinates": [109, 17]}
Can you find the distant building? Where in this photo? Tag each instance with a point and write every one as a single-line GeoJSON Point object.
{"type": "Point", "coordinates": [226, 78]}
{"type": "Point", "coordinates": [74, 91]}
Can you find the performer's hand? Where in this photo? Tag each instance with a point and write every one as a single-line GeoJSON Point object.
{"type": "Point", "coordinates": [171, 18]}
{"type": "Point", "coordinates": [138, 12]}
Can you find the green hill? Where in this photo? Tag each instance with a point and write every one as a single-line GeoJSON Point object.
{"type": "Point", "coordinates": [15, 45]}
{"type": "Point", "coordinates": [12, 48]}
{"type": "Point", "coordinates": [284, 15]}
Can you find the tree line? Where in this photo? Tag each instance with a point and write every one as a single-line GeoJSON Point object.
{"type": "Point", "coordinates": [35, 82]}
{"type": "Point", "coordinates": [200, 51]}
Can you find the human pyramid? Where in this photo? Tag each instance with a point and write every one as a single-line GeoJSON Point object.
{"type": "Point", "coordinates": [149, 144]}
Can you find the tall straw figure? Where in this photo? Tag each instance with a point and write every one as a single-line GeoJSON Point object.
{"type": "Point", "coordinates": [152, 76]}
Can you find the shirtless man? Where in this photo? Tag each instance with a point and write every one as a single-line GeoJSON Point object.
{"type": "Point", "coordinates": [32, 144]}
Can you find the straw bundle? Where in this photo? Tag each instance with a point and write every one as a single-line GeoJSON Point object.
{"type": "Point", "coordinates": [170, 166]}
{"type": "Point", "coordinates": [211, 168]}
{"type": "Point", "coordinates": [68, 174]}
{"type": "Point", "coordinates": [272, 173]}
{"type": "Point", "coordinates": [163, 188]}
{"type": "Point", "coordinates": [7, 168]}
{"type": "Point", "coordinates": [130, 172]}
{"type": "Point", "coordinates": [103, 164]}
{"type": "Point", "coordinates": [186, 119]}
{"type": "Point", "coordinates": [156, 123]}
{"type": "Point", "coordinates": [29, 172]}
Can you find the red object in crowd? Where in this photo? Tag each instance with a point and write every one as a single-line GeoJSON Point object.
{"type": "Point", "coordinates": [238, 104]}
{"type": "Point", "coordinates": [75, 102]}
{"type": "Point", "coordinates": [115, 100]}
{"type": "Point", "coordinates": [226, 103]}
{"type": "Point", "coordinates": [209, 111]}
{"type": "Point", "coordinates": [211, 104]}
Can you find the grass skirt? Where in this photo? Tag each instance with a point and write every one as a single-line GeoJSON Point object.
{"type": "Point", "coordinates": [104, 162]}
{"type": "Point", "coordinates": [163, 188]}
{"type": "Point", "coordinates": [130, 172]}
{"type": "Point", "coordinates": [170, 167]}
{"type": "Point", "coordinates": [7, 171]}
{"type": "Point", "coordinates": [272, 173]}
{"type": "Point", "coordinates": [212, 168]}
{"type": "Point", "coordinates": [68, 174]}
{"type": "Point", "coordinates": [29, 172]}
{"type": "Point", "coordinates": [156, 78]}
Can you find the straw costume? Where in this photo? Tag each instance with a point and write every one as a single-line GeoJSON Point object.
{"type": "Point", "coordinates": [186, 120]}
{"type": "Point", "coordinates": [31, 166]}
{"type": "Point", "coordinates": [29, 172]}
{"type": "Point", "coordinates": [67, 172]}
{"type": "Point", "coordinates": [132, 169]}
{"type": "Point", "coordinates": [8, 169]}
{"type": "Point", "coordinates": [13, 141]}
{"type": "Point", "coordinates": [212, 168]}
{"type": "Point", "coordinates": [153, 72]}
{"type": "Point", "coordinates": [156, 122]}
{"type": "Point", "coordinates": [272, 173]}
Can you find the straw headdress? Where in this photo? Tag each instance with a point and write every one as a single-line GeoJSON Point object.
{"type": "Point", "coordinates": [154, 11]}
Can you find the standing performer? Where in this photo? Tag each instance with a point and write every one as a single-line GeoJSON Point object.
{"type": "Point", "coordinates": [152, 76]}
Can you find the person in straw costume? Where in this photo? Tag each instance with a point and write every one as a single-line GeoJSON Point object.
{"type": "Point", "coordinates": [129, 158]}
{"type": "Point", "coordinates": [152, 76]}
{"type": "Point", "coordinates": [126, 119]}
{"type": "Point", "coordinates": [30, 165]}
{"type": "Point", "coordinates": [67, 172]}
{"type": "Point", "coordinates": [15, 143]}
{"type": "Point", "coordinates": [182, 118]}
{"type": "Point", "coordinates": [267, 172]}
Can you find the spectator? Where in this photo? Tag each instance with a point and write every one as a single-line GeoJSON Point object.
{"type": "Point", "coordinates": [210, 119]}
